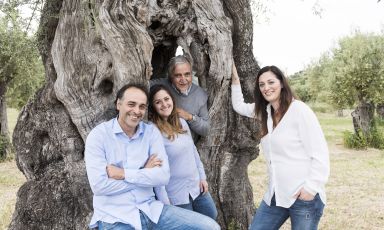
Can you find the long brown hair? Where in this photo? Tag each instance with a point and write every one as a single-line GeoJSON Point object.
{"type": "Point", "coordinates": [170, 127]}
{"type": "Point", "coordinates": [286, 97]}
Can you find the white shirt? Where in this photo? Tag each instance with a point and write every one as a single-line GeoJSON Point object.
{"type": "Point", "coordinates": [295, 150]}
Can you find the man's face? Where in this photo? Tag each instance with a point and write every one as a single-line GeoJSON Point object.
{"type": "Point", "coordinates": [132, 107]}
{"type": "Point", "coordinates": [182, 77]}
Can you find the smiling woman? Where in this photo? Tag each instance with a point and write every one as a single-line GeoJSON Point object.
{"type": "Point", "coordinates": [188, 187]}
{"type": "Point", "coordinates": [295, 149]}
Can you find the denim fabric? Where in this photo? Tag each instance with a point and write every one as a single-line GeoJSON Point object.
{"type": "Point", "coordinates": [203, 204]}
{"type": "Point", "coordinates": [114, 226]}
{"type": "Point", "coordinates": [305, 215]}
{"type": "Point", "coordinates": [171, 218]}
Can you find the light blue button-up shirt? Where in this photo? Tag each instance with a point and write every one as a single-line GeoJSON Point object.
{"type": "Point", "coordinates": [121, 200]}
{"type": "Point", "coordinates": [187, 170]}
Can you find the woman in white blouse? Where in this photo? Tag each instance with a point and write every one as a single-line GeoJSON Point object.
{"type": "Point", "coordinates": [295, 151]}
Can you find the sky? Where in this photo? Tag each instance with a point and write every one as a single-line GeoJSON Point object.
{"type": "Point", "coordinates": [294, 35]}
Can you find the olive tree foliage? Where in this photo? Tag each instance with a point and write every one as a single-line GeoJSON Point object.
{"type": "Point", "coordinates": [319, 79]}
{"type": "Point", "coordinates": [351, 75]}
{"type": "Point", "coordinates": [21, 70]}
{"type": "Point", "coordinates": [300, 85]}
{"type": "Point", "coordinates": [313, 83]}
{"type": "Point", "coordinates": [358, 76]}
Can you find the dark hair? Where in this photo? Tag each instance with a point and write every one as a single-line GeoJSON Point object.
{"type": "Point", "coordinates": [172, 126]}
{"type": "Point", "coordinates": [140, 86]}
{"type": "Point", "coordinates": [286, 97]}
{"type": "Point", "coordinates": [180, 59]}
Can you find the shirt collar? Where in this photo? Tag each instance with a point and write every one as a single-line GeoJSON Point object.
{"type": "Point", "coordinates": [117, 129]}
{"type": "Point", "coordinates": [182, 93]}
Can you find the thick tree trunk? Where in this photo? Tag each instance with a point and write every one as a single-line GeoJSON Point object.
{"type": "Point", "coordinates": [4, 132]}
{"type": "Point", "coordinates": [380, 110]}
{"type": "Point", "coordinates": [93, 49]}
{"type": "Point", "coordinates": [340, 113]}
{"type": "Point", "coordinates": [362, 118]}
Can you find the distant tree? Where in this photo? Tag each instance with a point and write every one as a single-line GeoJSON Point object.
{"type": "Point", "coordinates": [300, 84]}
{"type": "Point", "coordinates": [319, 75]}
{"type": "Point", "coordinates": [380, 110]}
{"type": "Point", "coordinates": [21, 70]}
{"type": "Point", "coordinates": [312, 83]}
{"type": "Point", "coordinates": [358, 76]}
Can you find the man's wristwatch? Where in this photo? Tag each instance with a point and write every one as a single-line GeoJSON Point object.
{"type": "Point", "coordinates": [193, 118]}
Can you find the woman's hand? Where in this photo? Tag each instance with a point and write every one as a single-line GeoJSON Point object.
{"type": "Point", "coordinates": [115, 172]}
{"type": "Point", "coordinates": [153, 161]}
{"type": "Point", "coordinates": [302, 194]}
{"type": "Point", "coordinates": [203, 186]}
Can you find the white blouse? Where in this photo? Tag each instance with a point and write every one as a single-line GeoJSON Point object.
{"type": "Point", "coordinates": [295, 150]}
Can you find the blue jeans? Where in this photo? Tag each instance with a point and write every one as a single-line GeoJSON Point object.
{"type": "Point", "coordinates": [171, 218]}
{"type": "Point", "coordinates": [305, 215]}
{"type": "Point", "coordinates": [203, 204]}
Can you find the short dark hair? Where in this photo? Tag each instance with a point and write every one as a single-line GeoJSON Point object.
{"type": "Point", "coordinates": [140, 86]}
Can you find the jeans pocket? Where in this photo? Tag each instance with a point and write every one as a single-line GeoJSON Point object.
{"type": "Point", "coordinates": [304, 204]}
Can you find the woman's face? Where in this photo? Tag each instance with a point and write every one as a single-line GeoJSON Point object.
{"type": "Point", "coordinates": [163, 104]}
{"type": "Point", "coordinates": [270, 87]}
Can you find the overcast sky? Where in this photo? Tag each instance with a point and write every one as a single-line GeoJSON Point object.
{"type": "Point", "coordinates": [295, 35]}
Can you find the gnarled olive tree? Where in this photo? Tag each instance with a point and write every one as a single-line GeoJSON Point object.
{"type": "Point", "coordinates": [92, 48]}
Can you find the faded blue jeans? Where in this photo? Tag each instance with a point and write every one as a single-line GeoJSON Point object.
{"type": "Point", "coordinates": [203, 204]}
{"type": "Point", "coordinates": [171, 218]}
{"type": "Point", "coordinates": [305, 215]}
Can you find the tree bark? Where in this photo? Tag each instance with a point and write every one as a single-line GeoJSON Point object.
{"type": "Point", "coordinates": [362, 118]}
{"type": "Point", "coordinates": [4, 132]}
{"type": "Point", "coordinates": [380, 110]}
{"type": "Point", "coordinates": [340, 113]}
{"type": "Point", "coordinates": [92, 49]}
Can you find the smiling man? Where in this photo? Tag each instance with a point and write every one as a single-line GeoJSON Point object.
{"type": "Point", "coordinates": [191, 99]}
{"type": "Point", "coordinates": [126, 162]}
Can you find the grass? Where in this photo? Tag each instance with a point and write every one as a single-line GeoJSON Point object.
{"type": "Point", "coordinates": [334, 126]}
{"type": "Point", "coordinates": [12, 118]}
{"type": "Point", "coordinates": [10, 179]}
{"type": "Point", "coordinates": [355, 188]}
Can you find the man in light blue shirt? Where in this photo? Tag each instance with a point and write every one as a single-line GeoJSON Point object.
{"type": "Point", "coordinates": [126, 162]}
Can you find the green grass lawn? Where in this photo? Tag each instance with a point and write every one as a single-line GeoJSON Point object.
{"type": "Point", "coordinates": [333, 127]}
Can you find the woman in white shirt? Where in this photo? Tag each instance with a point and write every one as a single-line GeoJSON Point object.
{"type": "Point", "coordinates": [295, 151]}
